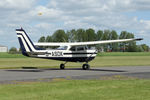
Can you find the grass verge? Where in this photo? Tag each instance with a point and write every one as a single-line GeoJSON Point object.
{"type": "Point", "coordinates": [124, 54]}
{"type": "Point", "coordinates": [7, 55]}
{"type": "Point", "coordinates": [8, 63]}
{"type": "Point", "coordinates": [77, 90]}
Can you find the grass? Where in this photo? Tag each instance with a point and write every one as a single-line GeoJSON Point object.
{"type": "Point", "coordinates": [108, 88]}
{"type": "Point", "coordinates": [77, 90]}
{"type": "Point", "coordinates": [124, 54]}
{"type": "Point", "coordinates": [102, 60]}
{"type": "Point", "coordinates": [6, 63]}
{"type": "Point", "coordinates": [7, 55]}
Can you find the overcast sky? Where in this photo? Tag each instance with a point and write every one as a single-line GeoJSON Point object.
{"type": "Point", "coordinates": [43, 17]}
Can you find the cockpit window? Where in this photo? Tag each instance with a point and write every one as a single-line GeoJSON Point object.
{"type": "Point", "coordinates": [73, 48]}
{"type": "Point", "coordinates": [80, 48]}
{"type": "Point", "coordinates": [62, 48]}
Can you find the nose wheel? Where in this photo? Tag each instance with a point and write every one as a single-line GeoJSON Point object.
{"type": "Point", "coordinates": [85, 66]}
{"type": "Point", "coordinates": [62, 66]}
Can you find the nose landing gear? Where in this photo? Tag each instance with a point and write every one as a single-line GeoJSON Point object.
{"type": "Point", "coordinates": [62, 66]}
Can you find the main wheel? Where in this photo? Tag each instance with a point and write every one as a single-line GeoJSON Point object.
{"type": "Point", "coordinates": [62, 66]}
{"type": "Point", "coordinates": [86, 66]}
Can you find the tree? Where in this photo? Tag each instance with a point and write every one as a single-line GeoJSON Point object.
{"type": "Point", "coordinates": [139, 48]}
{"type": "Point", "coordinates": [59, 36]}
{"type": "Point", "coordinates": [131, 46]}
{"type": "Point", "coordinates": [114, 36]}
{"type": "Point", "coordinates": [99, 35]}
{"type": "Point", "coordinates": [49, 39]}
{"type": "Point", "coordinates": [42, 39]}
{"type": "Point", "coordinates": [123, 35]}
{"type": "Point", "coordinates": [81, 35]}
{"type": "Point", "coordinates": [90, 35]}
{"type": "Point", "coordinates": [127, 46]}
{"type": "Point", "coordinates": [13, 50]}
{"type": "Point", "coordinates": [72, 35]}
{"type": "Point", "coordinates": [145, 47]}
{"type": "Point", "coordinates": [106, 36]}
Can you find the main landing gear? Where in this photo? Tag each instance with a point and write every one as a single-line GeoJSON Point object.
{"type": "Point", "coordinates": [85, 66]}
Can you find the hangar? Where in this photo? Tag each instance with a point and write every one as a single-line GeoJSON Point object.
{"type": "Point", "coordinates": [3, 48]}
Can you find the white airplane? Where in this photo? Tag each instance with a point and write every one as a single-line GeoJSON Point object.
{"type": "Point", "coordinates": [67, 52]}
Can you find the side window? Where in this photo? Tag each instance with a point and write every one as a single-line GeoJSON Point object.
{"type": "Point", "coordinates": [80, 48]}
{"type": "Point", "coordinates": [73, 48]}
{"type": "Point", "coordinates": [62, 48]}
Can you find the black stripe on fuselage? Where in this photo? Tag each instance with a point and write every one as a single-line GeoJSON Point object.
{"type": "Point", "coordinates": [78, 53]}
{"type": "Point", "coordinates": [43, 53]}
{"type": "Point", "coordinates": [71, 59]}
{"type": "Point", "coordinates": [39, 53]}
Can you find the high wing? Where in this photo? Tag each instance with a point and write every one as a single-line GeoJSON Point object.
{"type": "Point", "coordinates": [85, 43]}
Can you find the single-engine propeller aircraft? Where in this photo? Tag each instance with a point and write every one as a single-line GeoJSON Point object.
{"type": "Point", "coordinates": [67, 52]}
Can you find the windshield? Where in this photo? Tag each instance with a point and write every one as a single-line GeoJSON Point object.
{"type": "Point", "coordinates": [79, 48]}
{"type": "Point", "coordinates": [62, 48]}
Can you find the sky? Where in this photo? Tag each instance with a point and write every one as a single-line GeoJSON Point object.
{"type": "Point", "coordinates": [43, 17]}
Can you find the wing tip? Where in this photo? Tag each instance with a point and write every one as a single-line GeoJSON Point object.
{"type": "Point", "coordinates": [139, 39]}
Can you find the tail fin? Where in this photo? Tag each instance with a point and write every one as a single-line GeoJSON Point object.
{"type": "Point", "coordinates": [26, 44]}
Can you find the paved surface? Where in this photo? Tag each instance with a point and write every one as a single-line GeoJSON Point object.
{"type": "Point", "coordinates": [73, 73]}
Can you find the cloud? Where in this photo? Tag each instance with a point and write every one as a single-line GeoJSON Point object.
{"type": "Point", "coordinates": [106, 14]}
{"type": "Point", "coordinates": [129, 5]}
{"type": "Point", "coordinates": [45, 13]}
{"type": "Point", "coordinates": [71, 14]}
{"type": "Point", "coordinates": [16, 4]}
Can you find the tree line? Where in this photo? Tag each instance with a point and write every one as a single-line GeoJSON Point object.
{"type": "Point", "coordinates": [82, 35]}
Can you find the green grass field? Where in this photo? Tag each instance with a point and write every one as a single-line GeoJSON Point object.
{"type": "Point", "coordinates": [7, 55]}
{"type": "Point", "coordinates": [124, 54]}
{"type": "Point", "coordinates": [107, 88]}
{"type": "Point", "coordinates": [77, 90]}
{"type": "Point", "coordinates": [102, 60]}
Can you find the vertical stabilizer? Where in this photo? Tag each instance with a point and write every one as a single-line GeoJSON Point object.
{"type": "Point", "coordinates": [26, 44]}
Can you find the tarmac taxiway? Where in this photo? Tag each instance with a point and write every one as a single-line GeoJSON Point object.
{"type": "Point", "coordinates": [6, 75]}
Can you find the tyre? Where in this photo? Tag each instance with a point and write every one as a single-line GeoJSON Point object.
{"type": "Point", "coordinates": [62, 66]}
{"type": "Point", "coordinates": [86, 66]}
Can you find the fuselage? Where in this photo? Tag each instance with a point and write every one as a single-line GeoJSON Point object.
{"type": "Point", "coordinates": [63, 52]}
{"type": "Point", "coordinates": [64, 55]}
